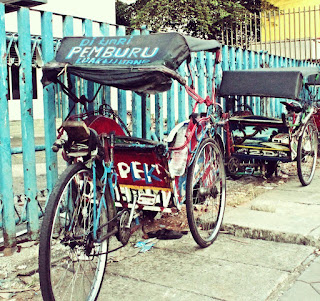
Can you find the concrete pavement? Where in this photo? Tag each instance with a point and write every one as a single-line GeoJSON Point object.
{"type": "Point", "coordinates": [231, 269]}
{"type": "Point", "coordinates": [268, 250]}
{"type": "Point", "coordinates": [271, 254]}
{"type": "Point", "coordinates": [289, 213]}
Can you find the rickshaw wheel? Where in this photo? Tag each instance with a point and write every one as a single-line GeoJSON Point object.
{"type": "Point", "coordinates": [307, 153]}
{"type": "Point", "coordinates": [233, 168]}
{"type": "Point", "coordinates": [67, 250]}
{"type": "Point", "coordinates": [206, 193]}
{"type": "Point", "coordinates": [124, 233]}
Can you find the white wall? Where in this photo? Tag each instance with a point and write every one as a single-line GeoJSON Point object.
{"type": "Point", "coordinates": [97, 10]}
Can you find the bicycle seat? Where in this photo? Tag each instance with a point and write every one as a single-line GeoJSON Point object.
{"type": "Point", "coordinates": [81, 139]}
{"type": "Point", "coordinates": [77, 130]}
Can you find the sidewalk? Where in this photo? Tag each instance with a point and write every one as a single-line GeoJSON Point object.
{"type": "Point", "coordinates": [281, 263]}
{"type": "Point", "coordinates": [288, 214]}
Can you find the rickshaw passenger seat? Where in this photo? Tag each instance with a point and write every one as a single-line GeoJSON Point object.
{"type": "Point", "coordinates": [104, 125]}
{"type": "Point", "coordinates": [171, 137]}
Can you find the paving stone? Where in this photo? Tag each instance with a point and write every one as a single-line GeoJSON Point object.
{"type": "Point", "coordinates": [300, 291]}
{"type": "Point", "coordinates": [311, 274]}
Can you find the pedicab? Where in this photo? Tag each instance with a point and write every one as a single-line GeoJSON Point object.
{"type": "Point", "coordinates": [112, 178]}
{"type": "Point", "coordinates": [255, 144]}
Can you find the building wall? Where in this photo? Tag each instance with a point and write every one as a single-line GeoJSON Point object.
{"type": "Point", "coordinates": [98, 10]}
{"type": "Point", "coordinates": [295, 20]}
{"type": "Point", "coordinates": [290, 4]}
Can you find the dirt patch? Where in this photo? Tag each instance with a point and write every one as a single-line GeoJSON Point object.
{"type": "Point", "coordinates": [239, 192]}
{"type": "Point", "coordinates": [248, 187]}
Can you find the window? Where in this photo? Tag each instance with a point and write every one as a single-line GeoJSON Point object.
{"type": "Point", "coordinates": [14, 86]}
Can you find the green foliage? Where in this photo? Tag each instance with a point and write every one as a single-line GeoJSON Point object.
{"type": "Point", "coordinates": [123, 13]}
{"type": "Point", "coordinates": [201, 18]}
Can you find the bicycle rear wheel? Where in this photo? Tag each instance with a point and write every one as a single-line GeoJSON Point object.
{"type": "Point", "coordinates": [307, 153]}
{"type": "Point", "coordinates": [71, 262]}
{"type": "Point", "coordinates": [206, 193]}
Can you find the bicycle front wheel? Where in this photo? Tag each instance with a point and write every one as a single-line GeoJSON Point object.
{"type": "Point", "coordinates": [307, 153]}
{"type": "Point", "coordinates": [71, 262]}
{"type": "Point", "coordinates": [206, 193]}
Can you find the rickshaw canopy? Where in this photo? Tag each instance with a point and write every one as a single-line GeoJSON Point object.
{"type": "Point", "coordinates": [145, 64]}
{"type": "Point", "coordinates": [269, 82]}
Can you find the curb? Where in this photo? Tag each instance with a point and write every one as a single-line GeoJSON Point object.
{"type": "Point", "coordinates": [270, 235]}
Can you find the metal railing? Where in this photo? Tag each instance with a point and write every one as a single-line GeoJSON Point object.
{"type": "Point", "coordinates": [292, 33]}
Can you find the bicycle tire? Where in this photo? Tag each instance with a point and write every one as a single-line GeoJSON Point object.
{"type": "Point", "coordinates": [67, 253]}
{"type": "Point", "coordinates": [307, 153]}
{"type": "Point", "coordinates": [206, 193]}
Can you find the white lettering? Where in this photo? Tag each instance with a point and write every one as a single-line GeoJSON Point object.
{"type": "Point", "coordinates": [136, 171]}
{"type": "Point", "coordinates": [96, 50]}
{"type": "Point", "coordinates": [84, 51]}
{"type": "Point", "coordinates": [109, 52]}
{"type": "Point", "coordinates": [123, 54]}
{"type": "Point", "coordinates": [73, 51]}
{"type": "Point", "coordinates": [166, 196]}
{"type": "Point", "coordinates": [124, 169]}
{"type": "Point", "coordinates": [146, 50]}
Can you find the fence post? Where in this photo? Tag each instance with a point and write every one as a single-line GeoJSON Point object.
{"type": "Point", "coordinates": [27, 125]}
{"type": "Point", "coordinates": [6, 187]}
{"type": "Point", "coordinates": [239, 59]}
{"type": "Point", "coordinates": [274, 101]}
{"type": "Point", "coordinates": [49, 110]}
{"type": "Point", "coordinates": [251, 66]}
{"type": "Point", "coordinates": [89, 86]}
{"type": "Point", "coordinates": [210, 75]}
{"type": "Point", "coordinates": [225, 67]}
{"type": "Point", "coordinates": [232, 58]}
{"type": "Point", "coordinates": [67, 104]}
{"type": "Point", "coordinates": [146, 106]}
{"type": "Point", "coordinates": [122, 99]}
{"type": "Point", "coordinates": [256, 100]}
{"type": "Point", "coordinates": [191, 76]}
{"type": "Point", "coordinates": [170, 109]}
{"type": "Point", "coordinates": [136, 113]}
{"type": "Point", "coordinates": [182, 94]}
{"type": "Point", "coordinates": [201, 80]}
{"type": "Point", "coordinates": [245, 65]}
{"type": "Point", "coordinates": [159, 115]}
{"type": "Point", "coordinates": [105, 31]}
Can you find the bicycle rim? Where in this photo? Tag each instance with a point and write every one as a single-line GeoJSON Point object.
{"type": "Point", "coordinates": [206, 193]}
{"type": "Point", "coordinates": [307, 154]}
{"type": "Point", "coordinates": [74, 262]}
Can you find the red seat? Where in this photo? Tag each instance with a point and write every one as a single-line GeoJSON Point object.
{"type": "Point", "coordinates": [104, 125]}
